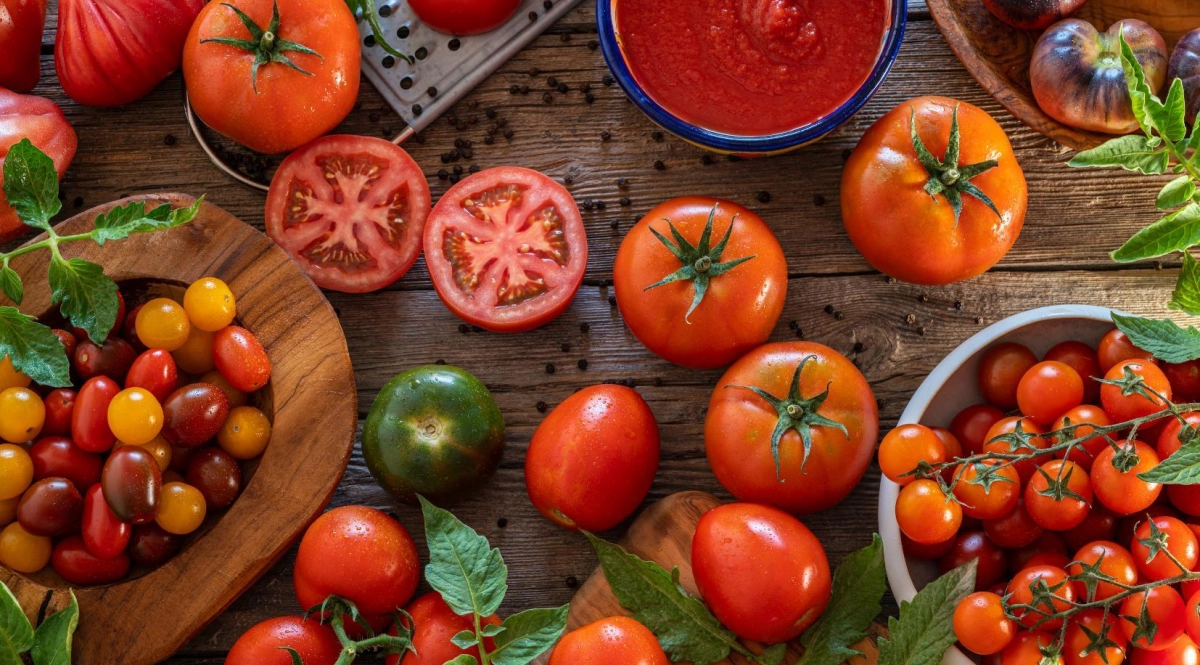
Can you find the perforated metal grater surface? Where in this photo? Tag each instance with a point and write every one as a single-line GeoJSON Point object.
{"type": "Point", "coordinates": [445, 67]}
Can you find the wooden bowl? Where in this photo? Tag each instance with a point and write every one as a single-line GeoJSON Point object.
{"type": "Point", "coordinates": [997, 54]}
{"type": "Point", "coordinates": [311, 401]}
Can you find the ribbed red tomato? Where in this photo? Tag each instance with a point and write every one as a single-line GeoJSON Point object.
{"type": "Point", "coordinates": [42, 122]}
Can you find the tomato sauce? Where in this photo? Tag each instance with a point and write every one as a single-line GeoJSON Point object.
{"type": "Point", "coordinates": [751, 67]}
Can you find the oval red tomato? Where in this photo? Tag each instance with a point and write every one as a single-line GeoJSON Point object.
{"type": "Point", "coordinates": [43, 123]}
{"type": "Point", "coordinates": [76, 565]}
{"type": "Point", "coordinates": [89, 419]}
{"type": "Point", "coordinates": [57, 456]}
{"type": "Point", "coordinates": [154, 370]}
{"type": "Point", "coordinates": [60, 403]}
{"type": "Point", "coordinates": [464, 17]}
{"type": "Point", "coordinates": [104, 534]}
{"type": "Point", "coordinates": [262, 644]}
{"type": "Point", "coordinates": [241, 359]}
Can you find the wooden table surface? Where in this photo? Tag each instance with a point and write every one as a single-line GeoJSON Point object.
{"type": "Point", "coordinates": [895, 332]}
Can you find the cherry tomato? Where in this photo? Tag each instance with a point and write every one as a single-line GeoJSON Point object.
{"type": "Point", "coordinates": [464, 17]}
{"type": "Point", "coordinates": [971, 426]}
{"type": "Point", "coordinates": [16, 471]}
{"type": "Point", "coordinates": [112, 359]}
{"type": "Point", "coordinates": [433, 624]}
{"type": "Point", "coordinates": [1193, 615]}
{"type": "Point", "coordinates": [56, 456]}
{"type": "Point", "coordinates": [1115, 347]}
{"type": "Point", "coordinates": [905, 447]}
{"type": "Point", "coordinates": [154, 370]}
{"type": "Point", "coordinates": [209, 304]}
{"type": "Point", "coordinates": [1047, 545]}
{"type": "Point", "coordinates": [76, 565]}
{"type": "Point", "coordinates": [10, 377]}
{"type": "Point", "coordinates": [60, 404]}
{"type": "Point", "coordinates": [89, 420]}
{"type": "Point", "coordinates": [263, 644]}
{"type": "Point", "coordinates": [24, 415]}
{"type": "Point", "coordinates": [927, 515]}
{"type": "Point", "coordinates": [1184, 497]}
{"type": "Point", "coordinates": [981, 625]}
{"type": "Point", "coordinates": [1078, 639]}
{"type": "Point", "coordinates": [150, 546]}
{"type": "Point", "coordinates": [1114, 560]}
{"type": "Point", "coordinates": [236, 397]}
{"type": "Point", "coordinates": [245, 433]}
{"type": "Point", "coordinates": [162, 323]}
{"type": "Point", "coordinates": [1164, 607]}
{"type": "Point", "coordinates": [50, 507]}
{"type": "Point", "coordinates": [196, 354]}
{"type": "Point", "coordinates": [1181, 544]}
{"type": "Point", "coordinates": [1026, 649]}
{"type": "Point", "coordinates": [1100, 524]}
{"type": "Point", "coordinates": [8, 510]}
{"type": "Point", "coordinates": [613, 640]}
{"type": "Point", "coordinates": [104, 534]}
{"type": "Point", "coordinates": [1000, 372]}
{"type": "Point", "coordinates": [771, 595]}
{"type": "Point", "coordinates": [975, 545]}
{"type": "Point", "coordinates": [994, 496]}
{"type": "Point", "coordinates": [135, 417]}
{"type": "Point", "coordinates": [1183, 652]}
{"type": "Point", "coordinates": [22, 551]}
{"type": "Point", "coordinates": [241, 359]}
{"type": "Point", "coordinates": [1083, 359]}
{"type": "Point", "coordinates": [1129, 524]}
{"type": "Point", "coordinates": [1121, 407]}
{"type": "Point", "coordinates": [1020, 591]}
{"type": "Point", "coordinates": [1009, 425]}
{"type": "Point", "coordinates": [1049, 389]}
{"type": "Point", "coordinates": [132, 484]}
{"type": "Point", "coordinates": [1184, 379]}
{"type": "Point", "coordinates": [1123, 492]}
{"type": "Point", "coordinates": [1013, 530]}
{"type": "Point", "coordinates": [181, 510]}
{"type": "Point", "coordinates": [194, 414]}
{"type": "Point", "coordinates": [915, 550]}
{"type": "Point", "coordinates": [1084, 418]}
{"type": "Point", "coordinates": [506, 249]}
{"type": "Point", "coordinates": [129, 329]}
{"type": "Point", "coordinates": [161, 450]}
{"type": "Point", "coordinates": [216, 474]}
{"type": "Point", "coordinates": [954, 449]}
{"type": "Point", "coordinates": [68, 339]}
{"type": "Point", "coordinates": [1059, 495]}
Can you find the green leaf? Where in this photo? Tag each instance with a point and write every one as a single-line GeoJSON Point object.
{"type": "Point", "coordinates": [464, 659]}
{"type": "Point", "coordinates": [1181, 468]}
{"type": "Point", "coordinates": [1132, 153]}
{"type": "Point", "coordinates": [1173, 121]}
{"type": "Point", "coordinates": [122, 221]}
{"type": "Point", "coordinates": [1161, 337]}
{"type": "Point", "coordinates": [16, 633]}
{"type": "Point", "coordinates": [1175, 193]}
{"type": "Point", "coordinates": [684, 626]}
{"type": "Point", "coordinates": [31, 184]}
{"type": "Point", "coordinates": [86, 297]}
{"type": "Point", "coordinates": [491, 630]}
{"type": "Point", "coordinates": [465, 639]}
{"type": "Point", "coordinates": [52, 641]}
{"type": "Point", "coordinates": [528, 635]}
{"type": "Point", "coordinates": [772, 655]}
{"type": "Point", "coordinates": [925, 629]}
{"type": "Point", "coordinates": [463, 566]}
{"type": "Point", "coordinates": [10, 284]}
{"type": "Point", "coordinates": [1173, 233]}
{"type": "Point", "coordinates": [858, 587]}
{"type": "Point", "coordinates": [1186, 296]}
{"type": "Point", "coordinates": [1140, 94]}
{"type": "Point", "coordinates": [35, 350]}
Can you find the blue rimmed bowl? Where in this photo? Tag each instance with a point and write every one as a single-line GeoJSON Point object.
{"type": "Point", "coordinates": [610, 44]}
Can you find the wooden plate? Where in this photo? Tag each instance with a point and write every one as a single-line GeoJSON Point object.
{"type": "Point", "coordinates": [997, 55]}
{"type": "Point", "coordinates": [663, 534]}
{"type": "Point", "coordinates": [311, 400]}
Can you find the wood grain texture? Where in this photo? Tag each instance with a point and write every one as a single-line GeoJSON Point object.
{"type": "Point", "coordinates": [310, 400]}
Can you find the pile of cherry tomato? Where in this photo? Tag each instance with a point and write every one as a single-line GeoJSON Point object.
{"type": "Point", "coordinates": [1022, 531]}
{"type": "Point", "coordinates": [114, 474]}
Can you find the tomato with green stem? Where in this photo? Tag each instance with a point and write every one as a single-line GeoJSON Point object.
{"type": "Point", "coordinates": [925, 514]}
{"type": "Point", "coordinates": [1163, 608]}
{"type": "Point", "coordinates": [1026, 649]}
{"type": "Point", "coordinates": [987, 489]}
{"type": "Point", "coordinates": [1082, 628]}
{"type": "Point", "coordinates": [1184, 497]}
{"type": "Point", "coordinates": [1059, 495]}
{"type": "Point", "coordinates": [616, 639]}
{"type": "Point", "coordinates": [1115, 480]}
{"type": "Point", "coordinates": [1017, 435]}
{"type": "Point", "coordinates": [1164, 547]}
{"type": "Point", "coordinates": [1024, 590]}
{"type": "Point", "coordinates": [1109, 559]}
{"type": "Point", "coordinates": [433, 625]}
{"type": "Point", "coordinates": [1134, 389]}
{"type": "Point", "coordinates": [267, 643]}
{"type": "Point", "coordinates": [1049, 389]}
{"type": "Point", "coordinates": [905, 448]}
{"type": "Point", "coordinates": [1001, 370]}
{"type": "Point", "coordinates": [981, 625]}
{"type": "Point", "coordinates": [1084, 419]}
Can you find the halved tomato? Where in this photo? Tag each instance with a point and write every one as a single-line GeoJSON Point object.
{"type": "Point", "coordinates": [506, 249]}
{"type": "Point", "coordinates": [350, 210]}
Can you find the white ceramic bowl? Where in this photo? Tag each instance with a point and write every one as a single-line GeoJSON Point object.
{"type": "Point", "coordinates": [951, 387]}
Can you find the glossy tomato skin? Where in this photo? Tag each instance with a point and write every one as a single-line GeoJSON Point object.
{"type": "Point", "coordinates": [217, 475]}
{"type": "Point", "coordinates": [433, 624]}
{"type": "Point", "coordinates": [1183, 652]}
{"type": "Point", "coordinates": [261, 645]}
{"type": "Point", "coordinates": [976, 545]}
{"type": "Point", "coordinates": [289, 107]}
{"type": "Point", "coordinates": [616, 640]}
{"type": "Point", "coordinates": [1032, 14]}
{"type": "Point", "coordinates": [1116, 346]}
{"type": "Point", "coordinates": [1001, 370]}
{"type": "Point", "coordinates": [971, 425]}
{"type": "Point", "coordinates": [1084, 360]}
{"type": "Point", "coordinates": [132, 483]}
{"type": "Point", "coordinates": [464, 17]}
{"type": "Point", "coordinates": [194, 414]}
{"type": "Point", "coordinates": [151, 546]}
{"type": "Point", "coordinates": [761, 571]}
{"type": "Point", "coordinates": [899, 228]}
{"type": "Point", "coordinates": [113, 359]}
{"type": "Point", "coordinates": [241, 359]}
{"type": "Point", "coordinates": [155, 371]}
{"type": "Point", "coordinates": [43, 123]}
{"type": "Point", "coordinates": [530, 225]}
{"type": "Point", "coordinates": [1185, 64]}
{"type": "Point", "coordinates": [740, 307]}
{"type": "Point", "coordinates": [60, 403]}
{"type": "Point", "coordinates": [89, 420]}
{"type": "Point", "coordinates": [1184, 497]}
{"type": "Point", "coordinates": [104, 534]}
{"type": "Point", "coordinates": [1123, 492]}
{"type": "Point", "coordinates": [50, 507]}
{"type": "Point", "coordinates": [76, 565]}
{"type": "Point", "coordinates": [1184, 378]}
{"type": "Point", "coordinates": [738, 427]}
{"type": "Point", "coordinates": [1121, 407]}
{"type": "Point", "coordinates": [435, 431]}
{"type": "Point", "coordinates": [57, 456]}
{"type": "Point", "coordinates": [592, 460]}
{"type": "Point", "coordinates": [375, 238]}
{"type": "Point", "coordinates": [21, 34]}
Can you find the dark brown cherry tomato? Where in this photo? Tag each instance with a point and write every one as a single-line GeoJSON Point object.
{"type": "Point", "coordinates": [132, 483]}
{"type": "Point", "coordinates": [69, 341]}
{"type": "Point", "coordinates": [112, 359]}
{"type": "Point", "coordinates": [976, 545]}
{"type": "Point", "coordinates": [89, 419]}
{"type": "Point", "coordinates": [217, 475]}
{"type": "Point", "coordinates": [915, 550]}
{"type": "Point", "coordinates": [241, 359]}
{"type": "Point", "coordinates": [60, 404]}
{"type": "Point", "coordinates": [1000, 372]}
{"type": "Point", "coordinates": [1084, 360]}
{"type": "Point", "coordinates": [1032, 14]}
{"type": "Point", "coordinates": [194, 414]}
{"type": "Point", "coordinates": [57, 456]}
{"type": "Point", "coordinates": [155, 371]}
{"type": "Point", "coordinates": [971, 426]}
{"type": "Point", "coordinates": [1115, 347]}
{"type": "Point", "coordinates": [129, 330]}
{"type": "Point", "coordinates": [76, 565]}
{"type": "Point", "coordinates": [104, 534]}
{"type": "Point", "coordinates": [1185, 64]}
{"type": "Point", "coordinates": [1185, 380]}
{"type": "Point", "coordinates": [50, 507]}
{"type": "Point", "coordinates": [151, 546]}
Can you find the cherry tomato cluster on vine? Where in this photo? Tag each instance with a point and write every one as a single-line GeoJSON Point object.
{"type": "Point", "coordinates": [1046, 519]}
{"type": "Point", "coordinates": [113, 474]}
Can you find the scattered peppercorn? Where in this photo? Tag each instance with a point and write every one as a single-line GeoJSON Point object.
{"type": "Point", "coordinates": [612, 301]}
{"type": "Point", "coordinates": [921, 331]}
{"type": "Point", "coordinates": [508, 133]}
{"type": "Point", "coordinates": [490, 113]}
{"type": "Point", "coordinates": [958, 304]}
{"type": "Point", "coordinates": [549, 368]}
{"type": "Point", "coordinates": [583, 363]}
{"type": "Point", "coordinates": [541, 407]}
{"type": "Point", "coordinates": [532, 16]}
{"type": "Point", "coordinates": [764, 196]}
{"type": "Point", "coordinates": [818, 200]}
{"type": "Point", "coordinates": [659, 165]}
{"type": "Point", "coordinates": [458, 169]}
{"type": "Point", "coordinates": [829, 309]}
{"type": "Point", "coordinates": [547, 98]}
{"type": "Point", "coordinates": [605, 135]}
{"type": "Point", "coordinates": [462, 328]}
{"type": "Point", "coordinates": [502, 522]}
{"type": "Point", "coordinates": [601, 205]}
{"type": "Point", "coordinates": [657, 136]}
{"type": "Point", "coordinates": [443, 174]}
{"type": "Point", "coordinates": [169, 139]}
{"type": "Point", "coordinates": [593, 45]}
{"type": "Point", "coordinates": [569, 180]}
{"type": "Point", "coordinates": [608, 80]}
{"type": "Point", "coordinates": [572, 582]}
{"type": "Point", "coordinates": [552, 82]}
{"type": "Point", "coordinates": [584, 328]}
{"type": "Point", "coordinates": [859, 347]}
{"type": "Point", "coordinates": [589, 98]}
{"type": "Point", "coordinates": [474, 168]}
{"type": "Point", "coordinates": [562, 88]}
{"type": "Point", "coordinates": [839, 316]}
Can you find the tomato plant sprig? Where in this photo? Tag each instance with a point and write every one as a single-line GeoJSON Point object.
{"type": "Point", "coordinates": [49, 644]}
{"type": "Point", "coordinates": [335, 610]}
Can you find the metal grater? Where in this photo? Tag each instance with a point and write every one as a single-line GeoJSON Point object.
{"type": "Point", "coordinates": [446, 65]}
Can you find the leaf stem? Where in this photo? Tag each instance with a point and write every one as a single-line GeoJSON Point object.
{"type": "Point", "coordinates": [484, 657]}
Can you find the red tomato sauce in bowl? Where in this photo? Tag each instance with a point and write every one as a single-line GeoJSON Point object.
{"type": "Point", "coordinates": [751, 67]}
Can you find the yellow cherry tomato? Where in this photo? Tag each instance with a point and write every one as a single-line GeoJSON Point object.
{"type": "Point", "coordinates": [24, 414]}
{"type": "Point", "coordinates": [22, 551]}
{"type": "Point", "coordinates": [16, 471]}
{"type": "Point", "coordinates": [210, 304]}
{"type": "Point", "coordinates": [135, 416]}
{"type": "Point", "coordinates": [161, 450]}
{"type": "Point", "coordinates": [181, 509]}
{"type": "Point", "coordinates": [245, 433]}
{"type": "Point", "coordinates": [196, 354]}
{"type": "Point", "coordinates": [10, 377]}
{"type": "Point", "coordinates": [162, 324]}
{"type": "Point", "coordinates": [236, 397]}
{"type": "Point", "coordinates": [8, 510]}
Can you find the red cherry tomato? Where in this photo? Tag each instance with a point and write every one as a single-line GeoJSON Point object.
{"type": "Point", "coordinates": [1083, 359]}
{"type": "Point", "coordinates": [50, 507]}
{"type": "Point", "coordinates": [111, 359]}
{"type": "Point", "coordinates": [1025, 649]}
{"type": "Point", "coordinates": [981, 625]}
{"type": "Point", "coordinates": [104, 534]}
{"type": "Point", "coordinates": [76, 565]}
{"type": "Point", "coordinates": [1009, 425]}
{"type": "Point", "coordinates": [464, 17]}
{"type": "Point", "coordinates": [241, 359]}
{"type": "Point", "coordinates": [194, 414]}
{"type": "Point", "coordinates": [1100, 524]}
{"type": "Point", "coordinates": [1193, 616]}
{"type": "Point", "coordinates": [433, 624]}
{"type": "Point", "coordinates": [1121, 407]}
{"type": "Point", "coordinates": [1115, 347]}
{"type": "Point", "coordinates": [905, 447]}
{"type": "Point", "coordinates": [971, 426]}
{"type": "Point", "coordinates": [1115, 561]}
{"type": "Point", "coordinates": [1049, 389]}
{"type": "Point", "coordinates": [613, 640]}
{"type": "Point", "coordinates": [1181, 547]}
{"type": "Point", "coordinates": [1085, 453]}
{"type": "Point", "coordinates": [1184, 497]}
{"type": "Point", "coordinates": [1185, 380]}
{"type": "Point", "coordinates": [89, 419]}
{"type": "Point", "coordinates": [976, 545]}
{"type": "Point", "coordinates": [916, 550]}
{"type": "Point", "coordinates": [1081, 628]}
{"type": "Point", "coordinates": [1020, 590]}
{"type": "Point", "coordinates": [1059, 495]}
{"type": "Point", "coordinates": [263, 643]}
{"type": "Point", "coordinates": [1164, 607]}
{"type": "Point", "coordinates": [1123, 492]}
{"type": "Point", "coordinates": [925, 514]}
{"type": "Point", "coordinates": [1013, 530]}
{"type": "Point", "coordinates": [56, 456]}
{"type": "Point", "coordinates": [1000, 372]}
{"type": "Point", "coordinates": [60, 404]}
{"type": "Point", "coordinates": [1049, 543]}
{"type": "Point", "coordinates": [1183, 652]}
{"type": "Point", "coordinates": [994, 496]}
{"type": "Point", "coordinates": [132, 482]}
{"type": "Point", "coordinates": [954, 449]}
{"type": "Point", "coordinates": [155, 371]}
{"type": "Point", "coordinates": [151, 546]}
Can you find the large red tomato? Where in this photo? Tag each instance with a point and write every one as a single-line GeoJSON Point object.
{"type": "Point", "coordinates": [506, 249]}
{"type": "Point", "coordinates": [113, 52]}
{"type": "Point", "coordinates": [903, 231]}
{"type": "Point", "coordinates": [760, 571]}
{"type": "Point", "coordinates": [350, 210]}
{"type": "Point", "coordinates": [592, 460]}
{"type": "Point", "coordinates": [721, 303]}
{"type": "Point", "coordinates": [262, 644]}
{"type": "Point", "coordinates": [273, 107]}
{"type": "Point", "coordinates": [612, 641]}
{"type": "Point", "coordinates": [21, 25]}
{"type": "Point", "coordinates": [791, 425]}
{"type": "Point", "coordinates": [42, 122]}
{"type": "Point", "coordinates": [464, 17]}
{"type": "Point", "coordinates": [433, 624]}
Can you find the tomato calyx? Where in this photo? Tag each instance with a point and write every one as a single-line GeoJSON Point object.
{"type": "Point", "coordinates": [266, 45]}
{"type": "Point", "coordinates": [1058, 488]}
{"type": "Point", "coordinates": [336, 609]}
{"type": "Point", "coordinates": [701, 262]}
{"type": "Point", "coordinates": [798, 413]}
{"type": "Point", "coordinates": [947, 177]}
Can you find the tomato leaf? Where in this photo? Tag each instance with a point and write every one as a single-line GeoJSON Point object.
{"type": "Point", "coordinates": [465, 639]}
{"type": "Point", "coordinates": [16, 633]}
{"type": "Point", "coordinates": [34, 349]}
{"type": "Point", "coordinates": [1181, 468]}
{"type": "Point", "coordinates": [528, 635]}
{"type": "Point", "coordinates": [1161, 337]}
{"type": "Point", "coordinates": [1175, 193]}
{"type": "Point", "coordinates": [1186, 296]}
{"type": "Point", "coordinates": [858, 587]}
{"type": "Point", "coordinates": [925, 629]}
{"type": "Point", "coordinates": [1172, 123]}
{"type": "Point", "coordinates": [1175, 232]}
{"type": "Point", "coordinates": [31, 184]}
{"type": "Point", "coordinates": [122, 221]}
{"type": "Point", "coordinates": [10, 284]}
{"type": "Point", "coordinates": [464, 659]}
{"type": "Point", "coordinates": [1132, 153]}
{"type": "Point", "coordinates": [85, 295]}
{"type": "Point", "coordinates": [463, 566]}
{"type": "Point", "coordinates": [52, 640]}
{"type": "Point", "coordinates": [1141, 97]}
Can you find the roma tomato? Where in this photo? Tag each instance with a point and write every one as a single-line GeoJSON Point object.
{"type": "Point", "coordinates": [1114, 561]}
{"type": "Point", "coordinates": [707, 300]}
{"type": "Point", "coordinates": [904, 232]}
{"type": "Point", "coordinates": [592, 460]}
{"type": "Point", "coordinates": [1059, 495]}
{"type": "Point", "coordinates": [132, 483]}
{"type": "Point", "coordinates": [1164, 607]}
{"type": "Point", "coordinates": [241, 359]}
{"type": "Point", "coordinates": [50, 507]}
{"type": "Point", "coordinates": [1122, 491]}
{"type": "Point", "coordinates": [1001, 370]}
{"type": "Point", "coordinates": [981, 625]}
{"type": "Point", "coordinates": [805, 440]}
{"type": "Point", "coordinates": [1083, 359]}
{"type": "Point", "coordinates": [217, 475]}
{"type": "Point", "coordinates": [433, 624]}
{"type": "Point", "coordinates": [616, 640]}
{"type": "Point", "coordinates": [42, 122]}
{"type": "Point", "coordinates": [1035, 15]}
{"type": "Point", "coordinates": [57, 456]}
{"type": "Point", "coordinates": [464, 17]}
{"type": "Point", "coordinates": [434, 431]}
{"type": "Point", "coordinates": [297, 95]}
{"type": "Point", "coordinates": [104, 534]}
{"type": "Point", "coordinates": [1115, 347]}
{"type": "Point", "coordinates": [154, 370]}
{"type": "Point", "coordinates": [194, 414]}
{"type": "Point", "coordinates": [350, 210]}
{"type": "Point", "coordinates": [21, 33]}
{"type": "Point", "coordinates": [1048, 390]}
{"type": "Point", "coordinates": [971, 426]}
{"type": "Point", "coordinates": [113, 359]}
{"type": "Point", "coordinates": [76, 565]}
{"type": "Point", "coordinates": [761, 571]}
{"type": "Point", "coordinates": [506, 249]}
{"type": "Point", "coordinates": [264, 643]}
{"type": "Point", "coordinates": [60, 403]}
{"type": "Point", "coordinates": [1021, 592]}
{"type": "Point", "coordinates": [1121, 407]}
